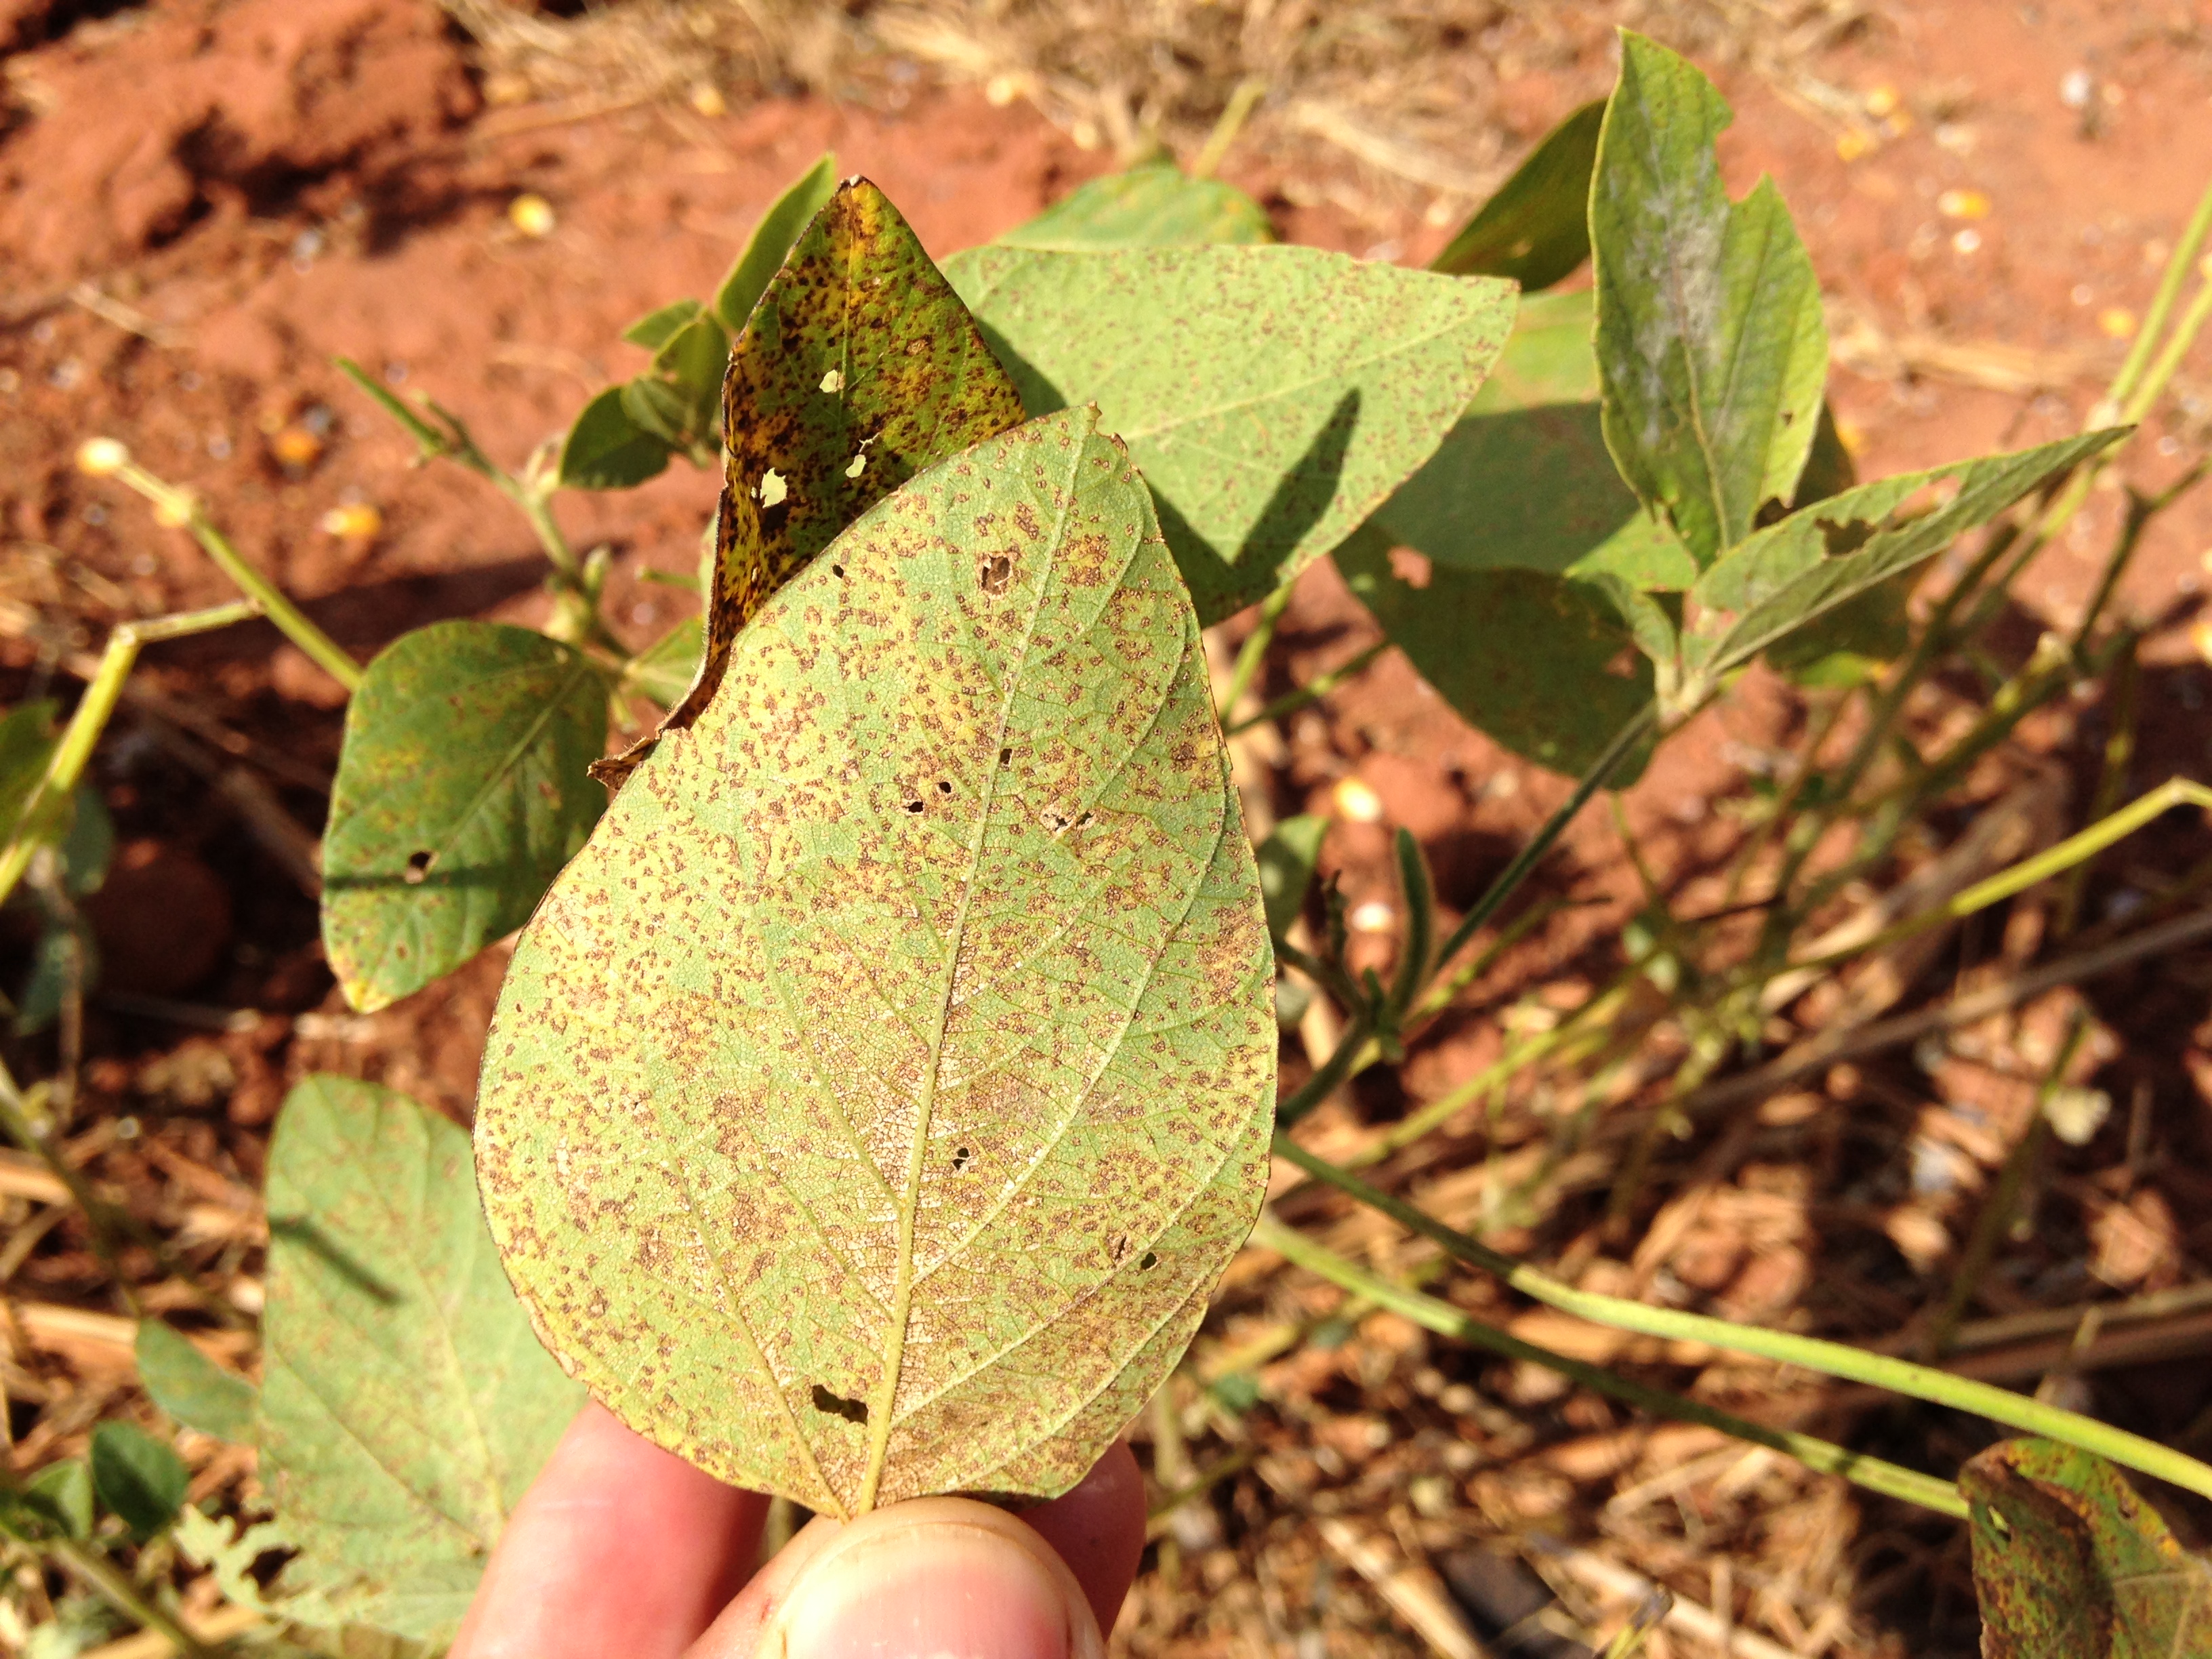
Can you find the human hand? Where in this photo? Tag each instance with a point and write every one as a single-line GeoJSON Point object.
{"type": "Point", "coordinates": [623, 1550]}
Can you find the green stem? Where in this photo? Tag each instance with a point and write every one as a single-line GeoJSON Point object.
{"type": "Point", "coordinates": [1811, 1353]}
{"type": "Point", "coordinates": [2176, 273]}
{"type": "Point", "coordinates": [1616, 755]}
{"type": "Point", "coordinates": [98, 1571]}
{"type": "Point", "coordinates": [1248, 94]}
{"type": "Point", "coordinates": [1323, 1083]}
{"type": "Point", "coordinates": [181, 507]}
{"type": "Point", "coordinates": [2170, 359]}
{"type": "Point", "coordinates": [1447, 1320]}
{"type": "Point", "coordinates": [1311, 692]}
{"type": "Point", "coordinates": [1253, 652]}
{"type": "Point", "coordinates": [93, 710]}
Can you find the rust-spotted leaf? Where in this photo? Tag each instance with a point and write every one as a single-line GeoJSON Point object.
{"type": "Point", "coordinates": [2070, 1564]}
{"type": "Point", "coordinates": [873, 1103]}
{"type": "Point", "coordinates": [858, 368]}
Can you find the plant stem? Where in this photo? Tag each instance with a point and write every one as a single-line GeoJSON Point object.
{"type": "Point", "coordinates": [98, 1571]}
{"type": "Point", "coordinates": [2169, 280]}
{"type": "Point", "coordinates": [1447, 1320]}
{"type": "Point", "coordinates": [1253, 652]}
{"type": "Point", "coordinates": [1812, 1353]}
{"type": "Point", "coordinates": [181, 506]}
{"type": "Point", "coordinates": [1249, 92]}
{"type": "Point", "coordinates": [93, 710]}
{"type": "Point", "coordinates": [1311, 692]}
{"type": "Point", "coordinates": [1324, 1083]}
{"type": "Point", "coordinates": [1616, 753]}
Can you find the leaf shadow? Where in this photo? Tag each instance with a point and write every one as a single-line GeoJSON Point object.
{"type": "Point", "coordinates": [305, 1232]}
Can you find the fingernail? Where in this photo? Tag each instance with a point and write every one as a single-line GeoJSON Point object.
{"type": "Point", "coordinates": [943, 1590]}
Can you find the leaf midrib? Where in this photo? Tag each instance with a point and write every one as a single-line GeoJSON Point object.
{"type": "Point", "coordinates": [879, 1414]}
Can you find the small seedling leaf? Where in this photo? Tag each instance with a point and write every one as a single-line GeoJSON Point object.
{"type": "Point", "coordinates": [857, 369]}
{"type": "Point", "coordinates": [1158, 205]}
{"type": "Point", "coordinates": [607, 449]}
{"type": "Point", "coordinates": [139, 1479]}
{"type": "Point", "coordinates": [1544, 664]}
{"type": "Point", "coordinates": [2070, 1564]}
{"type": "Point", "coordinates": [653, 330]}
{"type": "Point", "coordinates": [1473, 507]}
{"type": "Point", "coordinates": [27, 744]}
{"type": "Point", "coordinates": [55, 1502]}
{"type": "Point", "coordinates": [871, 1105]}
{"type": "Point", "coordinates": [191, 1388]}
{"type": "Point", "coordinates": [1535, 229]}
{"type": "Point", "coordinates": [461, 789]}
{"type": "Point", "coordinates": [1271, 396]}
{"type": "Point", "coordinates": [1286, 868]}
{"type": "Point", "coordinates": [1709, 336]}
{"type": "Point", "coordinates": [1823, 555]}
{"type": "Point", "coordinates": [679, 399]}
{"type": "Point", "coordinates": [765, 250]}
{"type": "Point", "coordinates": [407, 1404]}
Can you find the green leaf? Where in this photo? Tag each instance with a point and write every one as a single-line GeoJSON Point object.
{"type": "Point", "coordinates": [653, 330]}
{"type": "Point", "coordinates": [90, 843]}
{"type": "Point", "coordinates": [1158, 205]}
{"type": "Point", "coordinates": [1543, 664]}
{"type": "Point", "coordinates": [406, 1404]}
{"type": "Point", "coordinates": [1286, 868]}
{"type": "Point", "coordinates": [781, 226]}
{"type": "Point", "coordinates": [1535, 229]}
{"type": "Point", "coordinates": [872, 1106]}
{"type": "Point", "coordinates": [55, 1501]}
{"type": "Point", "coordinates": [679, 400]}
{"type": "Point", "coordinates": [461, 789]}
{"type": "Point", "coordinates": [666, 668]}
{"type": "Point", "coordinates": [606, 449]}
{"type": "Point", "coordinates": [2070, 1564]}
{"type": "Point", "coordinates": [65, 950]}
{"type": "Point", "coordinates": [1271, 396]}
{"type": "Point", "coordinates": [27, 744]}
{"type": "Point", "coordinates": [139, 1479]}
{"type": "Point", "coordinates": [857, 369]}
{"type": "Point", "coordinates": [191, 1388]}
{"type": "Point", "coordinates": [1822, 555]}
{"type": "Point", "coordinates": [1709, 336]}
{"type": "Point", "coordinates": [1536, 417]}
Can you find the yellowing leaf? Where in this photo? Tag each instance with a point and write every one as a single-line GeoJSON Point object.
{"type": "Point", "coordinates": [872, 1104]}
{"type": "Point", "coordinates": [857, 369]}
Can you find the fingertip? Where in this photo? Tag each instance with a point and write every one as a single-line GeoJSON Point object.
{"type": "Point", "coordinates": [1099, 1527]}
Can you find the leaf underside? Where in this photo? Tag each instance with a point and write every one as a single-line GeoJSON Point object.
{"type": "Point", "coordinates": [1271, 396]}
{"type": "Point", "coordinates": [872, 1106]}
{"type": "Point", "coordinates": [857, 369]}
{"type": "Point", "coordinates": [1709, 334]}
{"type": "Point", "coordinates": [405, 1403]}
{"type": "Point", "coordinates": [460, 791]}
{"type": "Point", "coordinates": [2070, 1564]}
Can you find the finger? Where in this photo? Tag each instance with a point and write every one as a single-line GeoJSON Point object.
{"type": "Point", "coordinates": [943, 1575]}
{"type": "Point", "coordinates": [617, 1547]}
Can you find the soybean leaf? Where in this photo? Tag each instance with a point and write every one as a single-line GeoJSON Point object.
{"type": "Point", "coordinates": [666, 669]}
{"type": "Point", "coordinates": [678, 399]}
{"type": "Point", "coordinates": [1286, 861]}
{"type": "Point", "coordinates": [872, 1104]}
{"type": "Point", "coordinates": [858, 368]}
{"type": "Point", "coordinates": [765, 250]}
{"type": "Point", "coordinates": [191, 1388]}
{"type": "Point", "coordinates": [55, 1501]}
{"type": "Point", "coordinates": [1524, 481]}
{"type": "Point", "coordinates": [27, 744]}
{"type": "Point", "coordinates": [1157, 205]}
{"type": "Point", "coordinates": [2070, 1564]}
{"type": "Point", "coordinates": [1824, 554]}
{"type": "Point", "coordinates": [461, 789]}
{"type": "Point", "coordinates": [139, 1479]}
{"type": "Point", "coordinates": [1543, 664]}
{"type": "Point", "coordinates": [1535, 229]}
{"type": "Point", "coordinates": [1271, 396]}
{"type": "Point", "coordinates": [406, 1404]}
{"type": "Point", "coordinates": [1709, 337]}
{"type": "Point", "coordinates": [607, 449]}
{"type": "Point", "coordinates": [653, 330]}
{"type": "Point", "coordinates": [232, 1550]}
